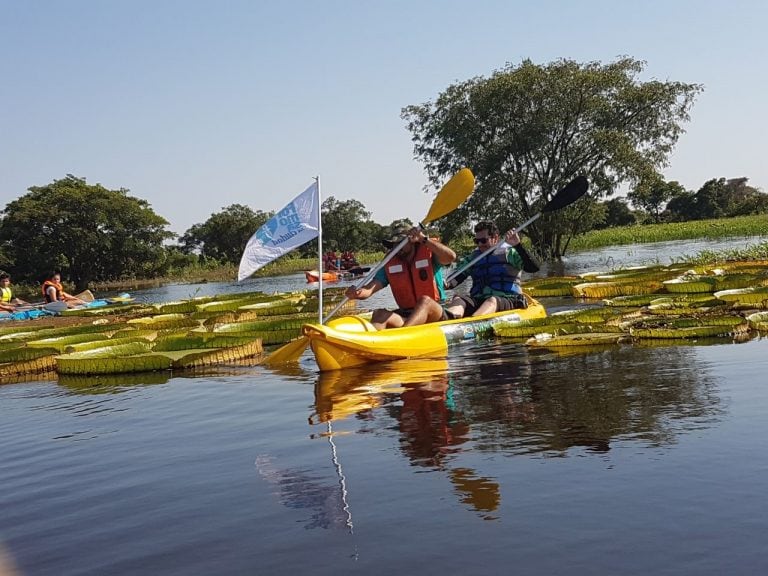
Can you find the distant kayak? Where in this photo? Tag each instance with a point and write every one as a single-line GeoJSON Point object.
{"type": "Point", "coordinates": [314, 276]}
{"type": "Point", "coordinates": [32, 311]}
{"type": "Point", "coordinates": [332, 276]}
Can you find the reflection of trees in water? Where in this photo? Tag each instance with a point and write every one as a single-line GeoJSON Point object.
{"type": "Point", "coordinates": [545, 401]}
{"type": "Point", "coordinates": [299, 489]}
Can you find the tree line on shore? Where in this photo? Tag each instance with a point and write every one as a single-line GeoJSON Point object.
{"type": "Point", "coordinates": [525, 131]}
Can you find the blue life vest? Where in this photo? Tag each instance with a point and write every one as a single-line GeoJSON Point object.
{"type": "Point", "coordinates": [496, 273]}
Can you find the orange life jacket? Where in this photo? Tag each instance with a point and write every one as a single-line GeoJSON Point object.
{"type": "Point", "coordinates": [59, 290]}
{"type": "Point", "coordinates": [414, 278]}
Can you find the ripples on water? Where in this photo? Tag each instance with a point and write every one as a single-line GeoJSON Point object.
{"type": "Point", "coordinates": [628, 460]}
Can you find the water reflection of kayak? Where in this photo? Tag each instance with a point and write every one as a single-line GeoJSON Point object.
{"type": "Point", "coordinates": [353, 341]}
{"type": "Point", "coordinates": [342, 393]}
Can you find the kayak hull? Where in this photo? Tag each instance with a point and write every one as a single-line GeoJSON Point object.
{"type": "Point", "coordinates": [314, 276]}
{"type": "Point", "coordinates": [352, 341]}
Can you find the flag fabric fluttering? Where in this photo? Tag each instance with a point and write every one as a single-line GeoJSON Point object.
{"type": "Point", "coordinates": [294, 225]}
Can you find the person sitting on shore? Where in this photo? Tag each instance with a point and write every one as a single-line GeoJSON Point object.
{"type": "Point", "coordinates": [53, 291]}
{"type": "Point", "coordinates": [7, 301]}
{"type": "Point", "coordinates": [414, 274]}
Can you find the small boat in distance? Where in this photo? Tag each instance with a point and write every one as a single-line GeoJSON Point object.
{"type": "Point", "coordinates": [335, 276]}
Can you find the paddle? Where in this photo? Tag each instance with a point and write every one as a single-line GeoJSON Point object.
{"type": "Point", "coordinates": [450, 196]}
{"type": "Point", "coordinates": [358, 270]}
{"type": "Point", "coordinates": [566, 196]}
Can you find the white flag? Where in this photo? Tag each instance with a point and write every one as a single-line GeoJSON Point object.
{"type": "Point", "coordinates": [293, 226]}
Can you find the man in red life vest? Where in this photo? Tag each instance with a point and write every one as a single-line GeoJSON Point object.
{"type": "Point", "coordinates": [495, 279]}
{"type": "Point", "coordinates": [414, 275]}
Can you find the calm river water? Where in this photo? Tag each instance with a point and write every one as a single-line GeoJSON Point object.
{"type": "Point", "coordinates": [632, 460]}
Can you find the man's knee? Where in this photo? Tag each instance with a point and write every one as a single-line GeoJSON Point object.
{"type": "Point", "coordinates": [426, 302]}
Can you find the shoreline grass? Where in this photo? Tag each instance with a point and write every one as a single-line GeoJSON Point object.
{"type": "Point", "coordinates": [742, 226]}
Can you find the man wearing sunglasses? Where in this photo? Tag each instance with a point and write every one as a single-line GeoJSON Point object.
{"type": "Point", "coordinates": [495, 279]}
{"type": "Point", "coordinates": [414, 276]}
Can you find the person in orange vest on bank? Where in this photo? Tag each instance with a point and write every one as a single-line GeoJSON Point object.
{"type": "Point", "coordinates": [54, 292]}
{"type": "Point", "coordinates": [414, 274]}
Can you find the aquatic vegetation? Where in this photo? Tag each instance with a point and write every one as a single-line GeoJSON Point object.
{"type": "Point", "coordinates": [631, 305]}
{"type": "Point", "coordinates": [741, 226]}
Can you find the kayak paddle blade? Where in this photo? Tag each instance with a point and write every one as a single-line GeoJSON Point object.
{"type": "Point", "coordinates": [567, 195]}
{"type": "Point", "coordinates": [290, 352]}
{"type": "Point", "coordinates": [451, 195]}
{"type": "Point", "coordinates": [56, 306]}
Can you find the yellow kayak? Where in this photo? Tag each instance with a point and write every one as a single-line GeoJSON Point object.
{"type": "Point", "coordinates": [353, 341]}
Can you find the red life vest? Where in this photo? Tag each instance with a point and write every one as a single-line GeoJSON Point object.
{"type": "Point", "coordinates": [59, 289]}
{"type": "Point", "coordinates": [414, 278]}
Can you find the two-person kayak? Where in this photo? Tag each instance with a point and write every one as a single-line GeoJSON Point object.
{"type": "Point", "coordinates": [353, 341]}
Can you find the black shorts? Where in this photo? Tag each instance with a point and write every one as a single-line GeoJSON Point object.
{"type": "Point", "coordinates": [467, 302]}
{"type": "Point", "coordinates": [503, 303]}
{"type": "Point", "coordinates": [404, 313]}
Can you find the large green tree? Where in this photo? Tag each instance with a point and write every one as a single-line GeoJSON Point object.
{"type": "Point", "coordinates": [347, 225]}
{"type": "Point", "coordinates": [718, 198]}
{"type": "Point", "coordinates": [528, 129]}
{"type": "Point", "coordinates": [224, 235]}
{"type": "Point", "coordinates": [86, 231]}
{"type": "Point", "coordinates": [616, 213]}
{"type": "Point", "coordinates": [652, 195]}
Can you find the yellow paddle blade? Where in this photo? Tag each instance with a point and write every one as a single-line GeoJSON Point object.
{"type": "Point", "coordinates": [451, 195]}
{"type": "Point", "coordinates": [85, 296]}
{"type": "Point", "coordinates": [288, 352]}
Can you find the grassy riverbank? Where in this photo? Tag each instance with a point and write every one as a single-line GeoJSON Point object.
{"type": "Point", "coordinates": [742, 226]}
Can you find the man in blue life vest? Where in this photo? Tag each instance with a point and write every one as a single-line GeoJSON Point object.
{"type": "Point", "coordinates": [495, 278]}
{"type": "Point", "coordinates": [7, 301]}
{"type": "Point", "coordinates": [414, 275]}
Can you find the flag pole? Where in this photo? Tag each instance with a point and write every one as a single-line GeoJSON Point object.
{"type": "Point", "coordinates": [319, 251]}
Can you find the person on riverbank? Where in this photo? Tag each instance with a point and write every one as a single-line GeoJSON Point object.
{"type": "Point", "coordinates": [8, 303]}
{"type": "Point", "coordinates": [495, 279]}
{"type": "Point", "coordinates": [53, 291]}
{"type": "Point", "coordinates": [414, 275]}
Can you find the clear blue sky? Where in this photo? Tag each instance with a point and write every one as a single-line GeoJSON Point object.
{"type": "Point", "coordinates": [196, 105]}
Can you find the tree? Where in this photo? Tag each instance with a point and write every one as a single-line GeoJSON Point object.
{"type": "Point", "coordinates": [346, 225]}
{"type": "Point", "coordinates": [652, 195]}
{"type": "Point", "coordinates": [617, 213]}
{"type": "Point", "coordinates": [224, 235]}
{"type": "Point", "coordinates": [527, 130]}
{"type": "Point", "coordinates": [718, 198]}
{"type": "Point", "coordinates": [85, 231]}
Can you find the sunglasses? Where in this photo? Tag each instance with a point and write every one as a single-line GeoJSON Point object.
{"type": "Point", "coordinates": [481, 240]}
